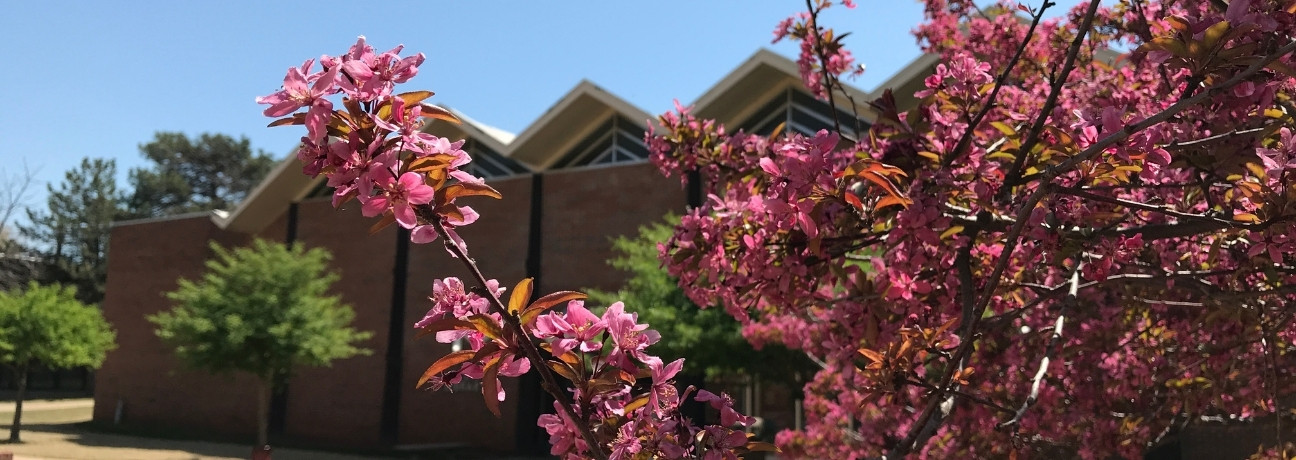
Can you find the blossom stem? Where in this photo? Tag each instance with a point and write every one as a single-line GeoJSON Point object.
{"type": "Point", "coordinates": [550, 382]}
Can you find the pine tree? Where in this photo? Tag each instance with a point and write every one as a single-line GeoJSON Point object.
{"type": "Point", "coordinates": [212, 171]}
{"type": "Point", "coordinates": [71, 234]}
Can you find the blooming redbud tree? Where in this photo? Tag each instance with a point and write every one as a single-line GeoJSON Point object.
{"type": "Point", "coordinates": [1080, 239]}
{"type": "Point", "coordinates": [613, 398]}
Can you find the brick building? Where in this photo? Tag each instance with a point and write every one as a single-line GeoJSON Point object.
{"type": "Point", "coordinates": [571, 181]}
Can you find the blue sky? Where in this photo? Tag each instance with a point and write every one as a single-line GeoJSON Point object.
{"type": "Point", "coordinates": [99, 78]}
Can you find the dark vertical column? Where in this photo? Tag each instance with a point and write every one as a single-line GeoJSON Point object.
{"type": "Point", "coordinates": [693, 190]}
{"type": "Point", "coordinates": [390, 429]}
{"type": "Point", "coordinates": [531, 400]}
{"type": "Point", "coordinates": [279, 399]}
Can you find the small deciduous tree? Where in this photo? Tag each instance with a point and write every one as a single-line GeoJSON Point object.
{"type": "Point", "coordinates": [48, 325]}
{"type": "Point", "coordinates": [264, 310]}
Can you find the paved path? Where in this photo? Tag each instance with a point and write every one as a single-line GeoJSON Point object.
{"type": "Point", "coordinates": [49, 404]}
{"type": "Point", "coordinates": [53, 435]}
{"type": "Point", "coordinates": [51, 431]}
{"type": "Point", "coordinates": [53, 442]}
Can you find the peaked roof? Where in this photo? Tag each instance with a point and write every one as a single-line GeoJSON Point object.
{"type": "Point", "coordinates": [568, 121]}
{"type": "Point", "coordinates": [573, 118]}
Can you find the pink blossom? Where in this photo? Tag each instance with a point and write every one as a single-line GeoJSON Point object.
{"type": "Point", "coordinates": [399, 195]}
{"type": "Point", "coordinates": [575, 329]}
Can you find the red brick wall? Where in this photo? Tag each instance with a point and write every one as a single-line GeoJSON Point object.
{"type": "Point", "coordinates": [585, 208]}
{"type": "Point", "coordinates": [145, 261]}
{"type": "Point", "coordinates": [342, 404]}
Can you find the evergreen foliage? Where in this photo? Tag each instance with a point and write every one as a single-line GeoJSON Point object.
{"type": "Point", "coordinates": [212, 171]}
{"type": "Point", "coordinates": [71, 234]}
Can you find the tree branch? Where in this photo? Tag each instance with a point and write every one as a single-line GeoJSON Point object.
{"type": "Point", "coordinates": [1055, 91]}
{"type": "Point", "coordinates": [966, 139]}
{"type": "Point", "coordinates": [528, 346]}
{"type": "Point", "coordinates": [1053, 346]}
{"type": "Point", "coordinates": [1157, 118]}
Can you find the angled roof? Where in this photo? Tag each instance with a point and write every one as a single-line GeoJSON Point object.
{"type": "Point", "coordinates": [758, 79]}
{"type": "Point", "coordinates": [575, 117]}
{"type": "Point", "coordinates": [568, 121]}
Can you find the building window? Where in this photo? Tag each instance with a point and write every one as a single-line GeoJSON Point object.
{"type": "Point", "coordinates": [616, 141]}
{"type": "Point", "coordinates": [489, 164]}
{"type": "Point", "coordinates": [799, 112]}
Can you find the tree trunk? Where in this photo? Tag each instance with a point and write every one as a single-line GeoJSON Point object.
{"type": "Point", "coordinates": [18, 403]}
{"type": "Point", "coordinates": [263, 413]}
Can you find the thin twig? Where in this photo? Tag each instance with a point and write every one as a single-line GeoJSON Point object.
{"type": "Point", "coordinates": [812, 27]}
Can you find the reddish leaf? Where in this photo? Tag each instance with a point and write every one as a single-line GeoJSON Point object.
{"type": "Point", "coordinates": [871, 355]}
{"type": "Point", "coordinates": [854, 200]}
{"type": "Point", "coordinates": [446, 362]}
{"type": "Point", "coordinates": [466, 189]}
{"type": "Point", "coordinates": [563, 369]}
{"type": "Point", "coordinates": [445, 324]}
{"type": "Point", "coordinates": [414, 97]}
{"type": "Point", "coordinates": [430, 162]}
{"type": "Point", "coordinates": [490, 385]}
{"type": "Point", "coordinates": [382, 223]}
{"type": "Point", "coordinates": [549, 301]}
{"type": "Point", "coordinates": [487, 326]}
{"type": "Point", "coordinates": [1247, 217]}
{"type": "Point", "coordinates": [432, 111]}
{"type": "Point", "coordinates": [635, 404]}
{"type": "Point", "coordinates": [892, 201]}
{"type": "Point", "coordinates": [295, 119]}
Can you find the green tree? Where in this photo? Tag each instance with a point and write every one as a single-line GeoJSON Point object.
{"type": "Point", "coordinates": [212, 171]}
{"type": "Point", "coordinates": [48, 325]}
{"type": "Point", "coordinates": [264, 310]}
{"type": "Point", "coordinates": [71, 233]}
{"type": "Point", "coordinates": [708, 338]}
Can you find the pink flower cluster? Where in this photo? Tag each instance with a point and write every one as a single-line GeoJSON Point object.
{"type": "Point", "coordinates": [821, 51]}
{"type": "Point", "coordinates": [374, 150]}
{"type": "Point", "coordinates": [604, 357]}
